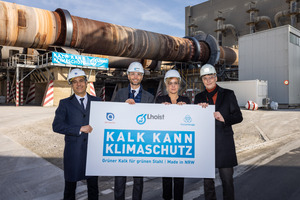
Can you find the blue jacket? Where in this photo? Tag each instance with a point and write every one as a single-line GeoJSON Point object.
{"type": "Point", "coordinates": [69, 117]}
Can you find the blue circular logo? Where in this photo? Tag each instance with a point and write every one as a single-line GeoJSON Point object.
{"type": "Point", "coordinates": [141, 119]}
{"type": "Point", "coordinates": [110, 116]}
{"type": "Point", "coordinates": [187, 119]}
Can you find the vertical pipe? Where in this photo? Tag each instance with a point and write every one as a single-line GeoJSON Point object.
{"type": "Point", "coordinates": [252, 25]}
{"type": "Point", "coordinates": [219, 38]}
{"type": "Point", "coordinates": [293, 12]}
{"type": "Point", "coordinates": [7, 86]}
{"type": "Point", "coordinates": [220, 23]}
{"type": "Point", "coordinates": [17, 86]}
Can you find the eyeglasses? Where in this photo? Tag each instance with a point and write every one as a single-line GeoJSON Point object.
{"type": "Point", "coordinates": [208, 78]}
{"type": "Point", "coordinates": [135, 74]}
{"type": "Point", "coordinates": [173, 83]}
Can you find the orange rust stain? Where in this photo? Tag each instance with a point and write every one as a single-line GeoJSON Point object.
{"type": "Point", "coordinates": [51, 29]}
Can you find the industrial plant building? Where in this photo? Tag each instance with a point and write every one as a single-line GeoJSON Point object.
{"type": "Point", "coordinates": [265, 33]}
{"type": "Point", "coordinates": [245, 40]}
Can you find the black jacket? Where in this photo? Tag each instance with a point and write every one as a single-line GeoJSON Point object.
{"type": "Point", "coordinates": [166, 98]}
{"type": "Point", "coordinates": [227, 105]}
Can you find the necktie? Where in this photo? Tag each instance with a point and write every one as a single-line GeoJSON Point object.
{"type": "Point", "coordinates": [133, 92]}
{"type": "Point", "coordinates": [81, 103]}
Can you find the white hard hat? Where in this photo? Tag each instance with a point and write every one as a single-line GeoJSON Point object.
{"type": "Point", "coordinates": [75, 73]}
{"type": "Point", "coordinates": [207, 69]}
{"type": "Point", "coordinates": [172, 74]}
{"type": "Point", "coordinates": [135, 67]}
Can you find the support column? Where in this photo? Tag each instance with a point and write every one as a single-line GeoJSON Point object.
{"type": "Point", "coordinates": [17, 86]}
{"type": "Point", "coordinates": [7, 86]}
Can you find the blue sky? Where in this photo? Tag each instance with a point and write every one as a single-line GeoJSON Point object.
{"type": "Point", "coordinates": [160, 16]}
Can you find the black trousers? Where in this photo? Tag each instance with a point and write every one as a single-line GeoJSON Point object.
{"type": "Point", "coordinates": [120, 185]}
{"type": "Point", "coordinates": [226, 175]}
{"type": "Point", "coordinates": [168, 188]}
{"type": "Point", "coordinates": [92, 185]}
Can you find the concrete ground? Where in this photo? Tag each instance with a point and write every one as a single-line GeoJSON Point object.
{"type": "Point", "coordinates": [31, 154]}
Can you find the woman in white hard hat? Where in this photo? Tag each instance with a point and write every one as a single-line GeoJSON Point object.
{"type": "Point", "coordinates": [172, 81]}
{"type": "Point", "coordinates": [227, 112]}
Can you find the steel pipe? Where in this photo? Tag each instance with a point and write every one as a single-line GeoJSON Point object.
{"type": "Point", "coordinates": [24, 26]}
{"type": "Point", "coordinates": [37, 28]}
{"type": "Point", "coordinates": [229, 56]}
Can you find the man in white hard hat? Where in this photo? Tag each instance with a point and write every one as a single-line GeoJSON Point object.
{"type": "Point", "coordinates": [227, 114]}
{"type": "Point", "coordinates": [72, 120]}
{"type": "Point", "coordinates": [132, 94]}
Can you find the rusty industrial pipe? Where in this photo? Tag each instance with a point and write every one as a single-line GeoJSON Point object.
{"type": "Point", "coordinates": [37, 28]}
{"type": "Point", "coordinates": [229, 56]}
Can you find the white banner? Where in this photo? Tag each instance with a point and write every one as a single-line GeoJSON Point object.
{"type": "Point", "coordinates": [151, 140]}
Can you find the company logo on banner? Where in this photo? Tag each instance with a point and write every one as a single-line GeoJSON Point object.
{"type": "Point", "coordinates": [187, 121]}
{"type": "Point", "coordinates": [71, 59]}
{"type": "Point", "coordinates": [110, 116]}
{"type": "Point", "coordinates": [142, 118]}
{"type": "Point", "coordinates": [149, 143]}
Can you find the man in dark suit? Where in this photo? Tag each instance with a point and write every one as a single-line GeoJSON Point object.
{"type": "Point", "coordinates": [132, 94]}
{"type": "Point", "coordinates": [227, 113]}
{"type": "Point", "coordinates": [72, 120]}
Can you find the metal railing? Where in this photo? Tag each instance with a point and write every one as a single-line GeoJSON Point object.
{"type": "Point", "coordinates": [30, 61]}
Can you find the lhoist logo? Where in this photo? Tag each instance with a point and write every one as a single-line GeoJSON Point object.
{"type": "Point", "coordinates": [141, 119]}
{"type": "Point", "coordinates": [110, 116]}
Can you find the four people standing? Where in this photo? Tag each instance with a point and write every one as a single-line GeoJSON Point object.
{"type": "Point", "coordinates": [72, 120]}
{"type": "Point", "coordinates": [172, 81]}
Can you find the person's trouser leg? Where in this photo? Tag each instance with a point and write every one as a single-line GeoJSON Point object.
{"type": "Point", "coordinates": [137, 191]}
{"type": "Point", "coordinates": [70, 190]}
{"type": "Point", "coordinates": [226, 175]}
{"type": "Point", "coordinates": [92, 185]}
{"type": "Point", "coordinates": [167, 188]}
{"type": "Point", "coordinates": [209, 189]}
{"type": "Point", "coordinates": [120, 183]}
{"type": "Point", "coordinates": [178, 188]}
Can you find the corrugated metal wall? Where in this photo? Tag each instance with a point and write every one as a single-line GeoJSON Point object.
{"type": "Point", "coordinates": [269, 55]}
{"type": "Point", "coordinates": [294, 69]}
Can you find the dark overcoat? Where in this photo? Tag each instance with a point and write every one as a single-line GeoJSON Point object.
{"type": "Point", "coordinates": [227, 105]}
{"type": "Point", "coordinates": [69, 117]}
